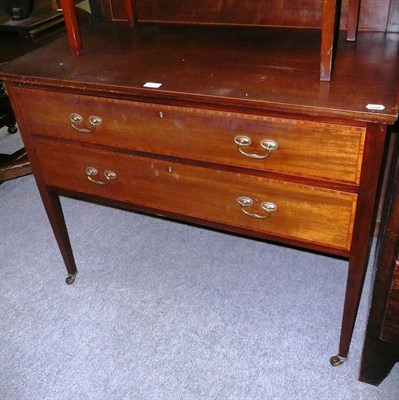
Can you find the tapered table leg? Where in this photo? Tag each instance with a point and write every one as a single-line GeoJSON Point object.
{"type": "Point", "coordinates": [55, 215]}
{"type": "Point", "coordinates": [362, 236]}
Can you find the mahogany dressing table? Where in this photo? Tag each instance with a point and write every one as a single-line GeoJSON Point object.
{"type": "Point", "coordinates": [272, 132]}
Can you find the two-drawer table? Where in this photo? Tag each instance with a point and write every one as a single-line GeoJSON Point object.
{"type": "Point", "coordinates": [222, 127]}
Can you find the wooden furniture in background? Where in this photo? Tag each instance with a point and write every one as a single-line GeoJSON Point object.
{"type": "Point", "coordinates": [7, 117]}
{"type": "Point", "coordinates": [369, 17]}
{"type": "Point", "coordinates": [18, 38]}
{"type": "Point", "coordinates": [310, 14]}
{"type": "Point", "coordinates": [381, 345]}
{"type": "Point", "coordinates": [16, 164]}
{"type": "Point", "coordinates": [45, 18]}
{"type": "Point", "coordinates": [228, 127]}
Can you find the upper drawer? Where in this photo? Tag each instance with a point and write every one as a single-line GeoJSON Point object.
{"type": "Point", "coordinates": [298, 147]}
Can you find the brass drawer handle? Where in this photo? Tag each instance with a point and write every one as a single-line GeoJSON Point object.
{"type": "Point", "coordinates": [267, 144]}
{"type": "Point", "coordinates": [76, 120]}
{"type": "Point", "coordinates": [109, 176]}
{"type": "Point", "coordinates": [267, 206]}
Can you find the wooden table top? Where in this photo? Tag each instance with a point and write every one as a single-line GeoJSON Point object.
{"type": "Point", "coordinates": [261, 68]}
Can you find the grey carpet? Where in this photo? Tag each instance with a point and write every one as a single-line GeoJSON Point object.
{"type": "Point", "coordinates": [162, 310]}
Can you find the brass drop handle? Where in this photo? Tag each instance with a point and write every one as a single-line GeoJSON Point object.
{"type": "Point", "coordinates": [76, 121]}
{"type": "Point", "coordinates": [267, 206]}
{"type": "Point", "coordinates": [109, 176]}
{"type": "Point", "coordinates": [267, 144]}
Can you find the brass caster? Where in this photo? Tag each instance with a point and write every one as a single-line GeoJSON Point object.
{"type": "Point", "coordinates": [70, 278]}
{"type": "Point", "coordinates": [337, 360]}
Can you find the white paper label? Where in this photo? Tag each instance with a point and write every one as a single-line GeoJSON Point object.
{"type": "Point", "coordinates": [152, 85]}
{"type": "Point", "coordinates": [375, 107]}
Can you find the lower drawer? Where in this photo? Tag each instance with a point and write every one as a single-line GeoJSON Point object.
{"type": "Point", "coordinates": [265, 206]}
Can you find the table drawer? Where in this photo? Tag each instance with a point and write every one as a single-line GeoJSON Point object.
{"type": "Point", "coordinates": [296, 211]}
{"type": "Point", "coordinates": [287, 146]}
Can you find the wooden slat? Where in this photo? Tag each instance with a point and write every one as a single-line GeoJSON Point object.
{"type": "Point", "coordinates": [327, 38]}
{"type": "Point", "coordinates": [71, 23]}
{"type": "Point", "coordinates": [353, 19]}
{"type": "Point", "coordinates": [131, 15]}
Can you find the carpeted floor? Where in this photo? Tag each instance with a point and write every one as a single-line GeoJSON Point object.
{"type": "Point", "coordinates": [162, 311]}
